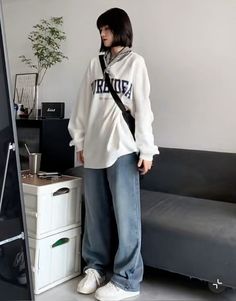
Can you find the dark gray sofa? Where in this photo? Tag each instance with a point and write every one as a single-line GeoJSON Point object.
{"type": "Point", "coordinates": [189, 215]}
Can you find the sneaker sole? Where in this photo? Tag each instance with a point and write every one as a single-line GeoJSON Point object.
{"type": "Point", "coordinates": [131, 295]}
{"type": "Point", "coordinates": [85, 292]}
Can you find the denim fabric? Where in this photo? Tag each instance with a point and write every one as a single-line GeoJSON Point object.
{"type": "Point", "coordinates": [112, 194]}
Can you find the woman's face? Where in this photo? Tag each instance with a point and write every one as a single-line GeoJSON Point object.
{"type": "Point", "coordinates": [106, 35]}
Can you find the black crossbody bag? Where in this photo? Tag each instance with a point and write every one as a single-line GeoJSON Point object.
{"type": "Point", "coordinates": [126, 113]}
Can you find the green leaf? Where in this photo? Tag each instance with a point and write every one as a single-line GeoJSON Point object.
{"type": "Point", "coordinates": [46, 39]}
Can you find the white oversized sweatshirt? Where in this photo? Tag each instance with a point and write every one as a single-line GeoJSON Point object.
{"type": "Point", "coordinates": [97, 126]}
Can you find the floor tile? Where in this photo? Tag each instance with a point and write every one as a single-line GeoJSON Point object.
{"type": "Point", "coordinates": [156, 286]}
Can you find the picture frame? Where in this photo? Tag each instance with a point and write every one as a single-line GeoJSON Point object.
{"type": "Point", "coordinates": [25, 90]}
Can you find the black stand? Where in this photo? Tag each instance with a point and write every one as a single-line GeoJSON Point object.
{"type": "Point", "coordinates": [11, 146]}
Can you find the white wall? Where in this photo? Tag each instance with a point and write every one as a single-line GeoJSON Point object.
{"type": "Point", "coordinates": [189, 47]}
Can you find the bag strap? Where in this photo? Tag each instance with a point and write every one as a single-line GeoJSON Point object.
{"type": "Point", "coordinates": [108, 82]}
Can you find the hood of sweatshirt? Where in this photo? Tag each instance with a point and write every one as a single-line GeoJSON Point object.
{"type": "Point", "coordinates": [109, 60]}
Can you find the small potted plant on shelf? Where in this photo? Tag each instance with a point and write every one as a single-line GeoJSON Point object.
{"type": "Point", "coordinates": [46, 40]}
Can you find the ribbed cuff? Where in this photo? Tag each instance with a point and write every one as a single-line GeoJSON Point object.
{"type": "Point", "coordinates": [78, 146]}
{"type": "Point", "coordinates": [146, 157]}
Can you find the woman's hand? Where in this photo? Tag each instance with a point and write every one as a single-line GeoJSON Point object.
{"type": "Point", "coordinates": [144, 166]}
{"type": "Point", "coordinates": [80, 156]}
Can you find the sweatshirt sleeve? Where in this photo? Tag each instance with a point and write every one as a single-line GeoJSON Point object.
{"type": "Point", "coordinates": [143, 113]}
{"type": "Point", "coordinates": [78, 120]}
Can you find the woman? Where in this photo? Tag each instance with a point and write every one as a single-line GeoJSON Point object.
{"type": "Point", "coordinates": [113, 159]}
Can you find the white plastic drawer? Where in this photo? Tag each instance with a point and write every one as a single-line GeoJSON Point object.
{"type": "Point", "coordinates": [52, 208]}
{"type": "Point", "coordinates": [55, 259]}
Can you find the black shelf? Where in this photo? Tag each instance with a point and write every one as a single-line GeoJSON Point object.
{"type": "Point", "coordinates": [49, 137]}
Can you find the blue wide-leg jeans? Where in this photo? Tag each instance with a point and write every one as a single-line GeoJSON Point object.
{"type": "Point", "coordinates": [112, 194]}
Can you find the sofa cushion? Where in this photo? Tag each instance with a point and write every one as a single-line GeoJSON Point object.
{"type": "Point", "coordinates": [194, 173]}
{"type": "Point", "coordinates": [190, 236]}
{"type": "Point", "coordinates": [202, 216]}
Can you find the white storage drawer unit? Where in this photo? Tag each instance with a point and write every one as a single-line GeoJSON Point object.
{"type": "Point", "coordinates": [53, 217]}
{"type": "Point", "coordinates": [51, 205]}
{"type": "Point", "coordinates": [55, 259]}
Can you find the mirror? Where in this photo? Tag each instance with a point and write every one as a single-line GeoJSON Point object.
{"type": "Point", "coordinates": [15, 271]}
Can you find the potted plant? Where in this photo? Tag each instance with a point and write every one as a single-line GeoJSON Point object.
{"type": "Point", "coordinates": [46, 40]}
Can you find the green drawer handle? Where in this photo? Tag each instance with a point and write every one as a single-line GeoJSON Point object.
{"type": "Point", "coordinates": [60, 242]}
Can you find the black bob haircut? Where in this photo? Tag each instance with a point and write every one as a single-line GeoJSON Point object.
{"type": "Point", "coordinates": [120, 25]}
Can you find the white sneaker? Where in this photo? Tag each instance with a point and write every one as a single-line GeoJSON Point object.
{"type": "Point", "coordinates": [111, 292]}
{"type": "Point", "coordinates": [90, 282]}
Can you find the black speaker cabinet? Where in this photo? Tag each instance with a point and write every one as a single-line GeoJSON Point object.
{"type": "Point", "coordinates": [53, 109]}
{"type": "Point", "coordinates": [49, 137]}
